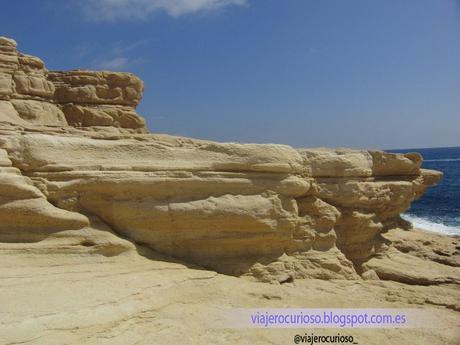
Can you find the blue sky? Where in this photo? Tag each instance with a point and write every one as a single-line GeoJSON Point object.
{"type": "Point", "coordinates": [370, 74]}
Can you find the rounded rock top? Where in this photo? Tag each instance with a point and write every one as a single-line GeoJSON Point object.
{"type": "Point", "coordinates": [5, 41]}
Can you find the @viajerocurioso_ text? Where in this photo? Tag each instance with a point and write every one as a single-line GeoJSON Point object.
{"type": "Point", "coordinates": [323, 339]}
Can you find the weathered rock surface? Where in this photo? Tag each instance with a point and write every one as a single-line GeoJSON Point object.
{"type": "Point", "coordinates": [25, 213]}
{"type": "Point", "coordinates": [72, 298]}
{"type": "Point", "coordinates": [91, 98]}
{"type": "Point", "coordinates": [82, 184]}
{"type": "Point", "coordinates": [239, 209]}
{"type": "Point", "coordinates": [435, 247]}
{"type": "Point", "coordinates": [29, 93]}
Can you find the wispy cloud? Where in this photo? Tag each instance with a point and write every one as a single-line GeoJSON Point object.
{"type": "Point", "coordinates": [122, 47]}
{"type": "Point", "coordinates": [109, 10]}
{"type": "Point", "coordinates": [115, 64]}
{"type": "Point", "coordinates": [116, 56]}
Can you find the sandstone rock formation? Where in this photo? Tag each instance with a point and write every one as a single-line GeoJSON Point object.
{"type": "Point", "coordinates": [30, 94]}
{"type": "Point", "coordinates": [81, 180]}
{"type": "Point", "coordinates": [267, 211]}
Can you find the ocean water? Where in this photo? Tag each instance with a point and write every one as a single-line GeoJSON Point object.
{"type": "Point", "coordinates": [439, 209]}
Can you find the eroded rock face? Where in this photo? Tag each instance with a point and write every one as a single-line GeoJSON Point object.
{"type": "Point", "coordinates": [239, 209]}
{"type": "Point", "coordinates": [30, 94]}
{"type": "Point", "coordinates": [90, 98]}
{"type": "Point", "coordinates": [270, 212]}
{"type": "Point", "coordinates": [91, 87]}
{"type": "Point", "coordinates": [25, 213]}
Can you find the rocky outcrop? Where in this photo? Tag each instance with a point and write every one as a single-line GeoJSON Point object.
{"type": "Point", "coordinates": [91, 98]}
{"type": "Point", "coordinates": [239, 209]}
{"type": "Point", "coordinates": [26, 95]}
{"type": "Point", "coordinates": [267, 211]}
{"type": "Point", "coordinates": [30, 94]}
{"type": "Point", "coordinates": [72, 156]}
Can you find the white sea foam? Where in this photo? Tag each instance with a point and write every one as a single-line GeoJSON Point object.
{"type": "Point", "coordinates": [426, 224]}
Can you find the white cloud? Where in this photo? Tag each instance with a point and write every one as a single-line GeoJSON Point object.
{"type": "Point", "coordinates": [136, 9]}
{"type": "Point", "coordinates": [115, 64]}
{"type": "Point", "coordinates": [117, 56]}
{"type": "Point", "coordinates": [122, 47]}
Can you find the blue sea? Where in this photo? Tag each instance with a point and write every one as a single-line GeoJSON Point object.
{"type": "Point", "coordinates": [439, 209]}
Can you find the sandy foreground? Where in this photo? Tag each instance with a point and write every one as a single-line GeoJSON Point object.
{"type": "Point", "coordinates": [141, 298]}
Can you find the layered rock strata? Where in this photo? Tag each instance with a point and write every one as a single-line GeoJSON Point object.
{"type": "Point", "coordinates": [265, 210]}
{"type": "Point", "coordinates": [30, 94]}
{"type": "Point", "coordinates": [270, 212]}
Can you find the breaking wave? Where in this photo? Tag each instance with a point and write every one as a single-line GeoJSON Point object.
{"type": "Point", "coordinates": [429, 225]}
